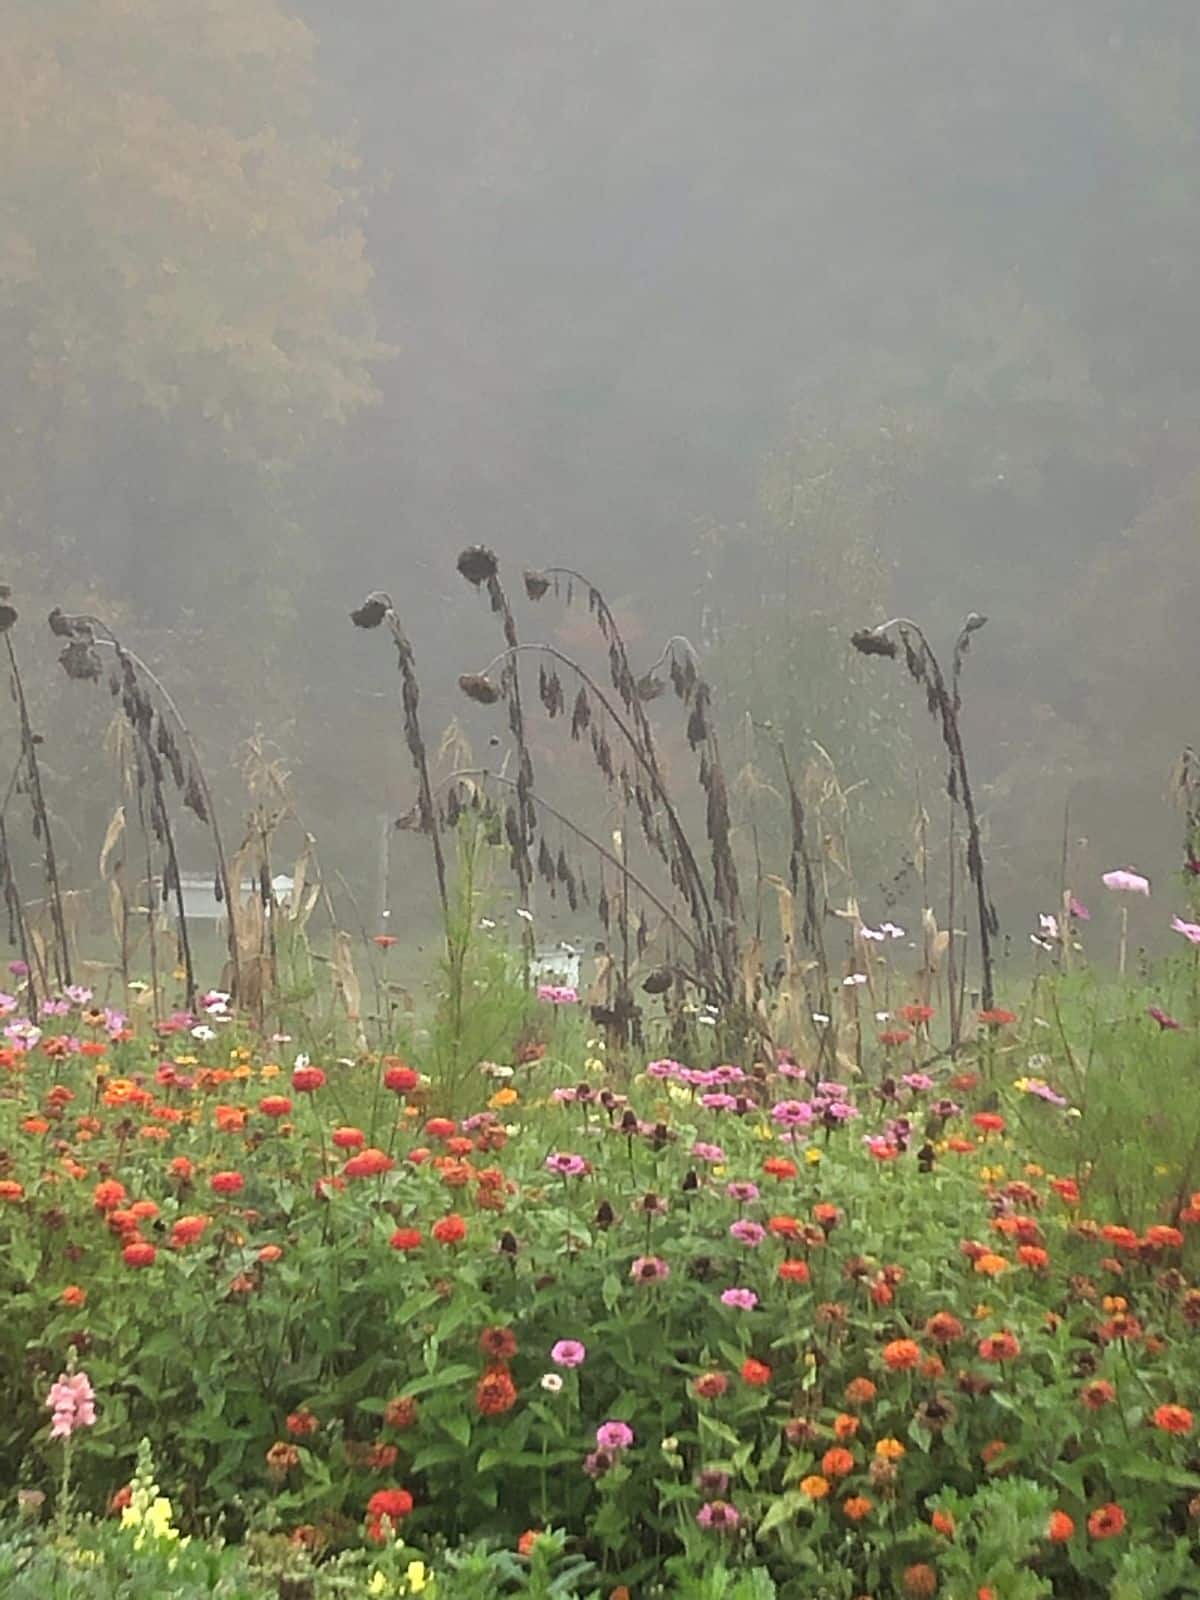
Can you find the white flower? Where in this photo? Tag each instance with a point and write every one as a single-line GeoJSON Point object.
{"type": "Point", "coordinates": [204, 1033]}
{"type": "Point", "coordinates": [552, 1383]}
{"type": "Point", "coordinates": [523, 913]}
{"type": "Point", "coordinates": [854, 980]}
{"type": "Point", "coordinates": [820, 1016]}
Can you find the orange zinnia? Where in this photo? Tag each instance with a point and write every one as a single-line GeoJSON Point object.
{"type": "Point", "coordinates": [901, 1355]}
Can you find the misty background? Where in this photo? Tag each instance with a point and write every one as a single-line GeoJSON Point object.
{"type": "Point", "coordinates": [775, 320]}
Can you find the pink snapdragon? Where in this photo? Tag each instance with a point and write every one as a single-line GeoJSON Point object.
{"type": "Point", "coordinates": [73, 1402]}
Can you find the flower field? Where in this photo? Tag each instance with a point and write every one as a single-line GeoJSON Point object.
{"type": "Point", "coordinates": [658, 1321]}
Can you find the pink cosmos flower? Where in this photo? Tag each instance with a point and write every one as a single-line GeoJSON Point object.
{"type": "Point", "coordinates": [1126, 881]}
{"type": "Point", "coordinates": [568, 1353]}
{"type": "Point", "coordinates": [73, 1402]}
{"type": "Point", "coordinates": [742, 1299]}
{"type": "Point", "coordinates": [1189, 930]}
{"type": "Point", "coordinates": [614, 1436]}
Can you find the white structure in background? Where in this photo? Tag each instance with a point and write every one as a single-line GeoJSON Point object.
{"type": "Point", "coordinates": [200, 903]}
{"type": "Point", "coordinates": [557, 964]}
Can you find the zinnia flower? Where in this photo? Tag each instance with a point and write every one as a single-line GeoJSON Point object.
{"type": "Point", "coordinates": [227, 1183]}
{"type": "Point", "coordinates": [495, 1392]}
{"type": "Point", "coordinates": [368, 1163]}
{"type": "Point", "coordinates": [1061, 1528]}
{"type": "Point", "coordinates": [1173, 1419]}
{"type": "Point", "coordinates": [565, 1165]}
{"type": "Point", "coordinates": [1126, 882]}
{"type": "Point", "coordinates": [1002, 1346]}
{"type": "Point", "coordinates": [400, 1079]}
{"type": "Point", "coordinates": [139, 1253]}
{"type": "Point", "coordinates": [614, 1436]}
{"type": "Point", "coordinates": [742, 1299]}
{"type": "Point", "coordinates": [498, 1343]}
{"type": "Point", "coordinates": [755, 1373]}
{"type": "Point", "coordinates": [710, 1385]}
{"type": "Point", "coordinates": [901, 1355]}
{"type": "Point", "coordinates": [718, 1515]}
{"type": "Point", "coordinates": [386, 1509]}
{"type": "Point", "coordinates": [649, 1269]}
{"type": "Point", "coordinates": [1107, 1521]}
{"type": "Point", "coordinates": [450, 1229]}
{"type": "Point", "coordinates": [568, 1353]}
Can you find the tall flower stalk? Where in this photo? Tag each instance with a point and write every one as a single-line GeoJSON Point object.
{"type": "Point", "coordinates": [945, 703]}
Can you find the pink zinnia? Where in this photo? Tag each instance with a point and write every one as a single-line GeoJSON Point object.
{"type": "Point", "coordinates": [792, 1113]}
{"type": "Point", "coordinates": [649, 1269]}
{"type": "Point", "coordinates": [741, 1190]}
{"type": "Point", "coordinates": [747, 1232]}
{"type": "Point", "coordinates": [565, 1165]}
{"type": "Point", "coordinates": [73, 1402]}
{"type": "Point", "coordinates": [743, 1299]}
{"type": "Point", "coordinates": [614, 1436]}
{"type": "Point", "coordinates": [568, 1353]}
{"type": "Point", "coordinates": [720, 1515]}
{"type": "Point", "coordinates": [1126, 881]}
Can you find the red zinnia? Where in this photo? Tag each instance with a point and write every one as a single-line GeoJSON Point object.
{"type": "Point", "coordinates": [369, 1163]}
{"type": "Point", "coordinates": [1097, 1394]}
{"type": "Point", "coordinates": [186, 1230]}
{"type": "Point", "coordinates": [386, 1505]}
{"type": "Point", "coordinates": [275, 1105]}
{"type": "Point", "coordinates": [300, 1424]}
{"type": "Point", "coordinates": [402, 1412]}
{"type": "Point", "coordinates": [1107, 1521]}
{"type": "Point", "coordinates": [449, 1230]}
{"type": "Point", "coordinates": [915, 1013]}
{"type": "Point", "coordinates": [307, 1079]}
{"type": "Point", "coordinates": [1002, 1346]}
{"type": "Point", "coordinates": [348, 1138]}
{"type": "Point", "coordinates": [107, 1196]}
{"type": "Point", "coordinates": [997, 1017]}
{"type": "Point", "coordinates": [989, 1122]}
{"type": "Point", "coordinates": [755, 1372]}
{"type": "Point", "coordinates": [1061, 1528]}
{"type": "Point", "coordinates": [139, 1254]}
{"type": "Point", "coordinates": [441, 1128]}
{"type": "Point", "coordinates": [400, 1079]}
{"type": "Point", "coordinates": [498, 1343]}
{"type": "Point", "coordinates": [227, 1183]}
{"type": "Point", "coordinates": [1173, 1419]}
{"type": "Point", "coordinates": [943, 1327]}
{"type": "Point", "coordinates": [794, 1271]}
{"type": "Point", "coordinates": [495, 1392]}
{"type": "Point", "coordinates": [710, 1385]}
{"type": "Point", "coordinates": [406, 1239]}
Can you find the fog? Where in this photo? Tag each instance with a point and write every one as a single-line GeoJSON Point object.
{"type": "Point", "coordinates": [776, 320]}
